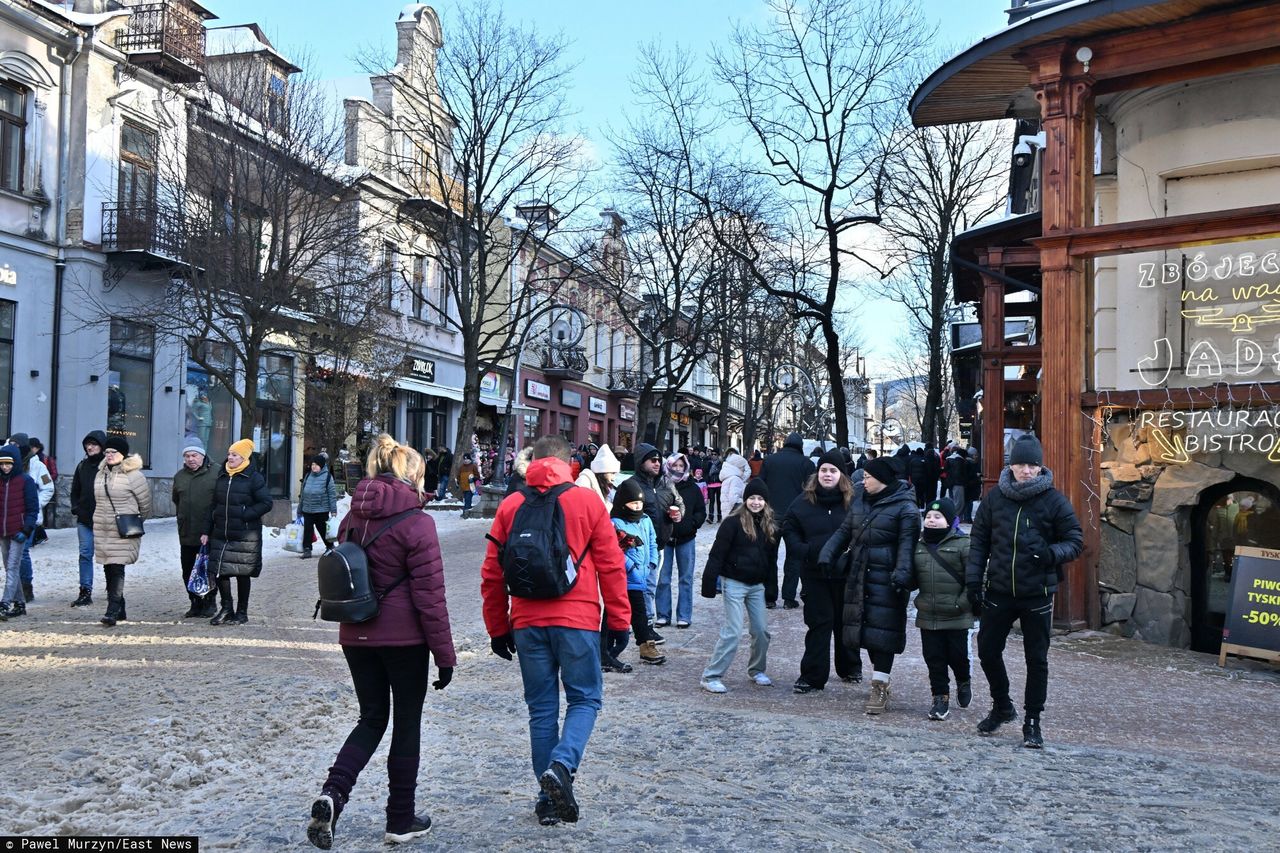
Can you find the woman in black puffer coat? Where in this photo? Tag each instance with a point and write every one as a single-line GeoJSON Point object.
{"type": "Point", "coordinates": [880, 534]}
{"type": "Point", "coordinates": [809, 523]}
{"type": "Point", "coordinates": [234, 530]}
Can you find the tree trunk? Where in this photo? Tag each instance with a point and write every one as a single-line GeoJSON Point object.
{"type": "Point", "coordinates": [835, 374]}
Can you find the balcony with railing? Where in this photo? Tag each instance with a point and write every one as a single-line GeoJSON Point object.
{"type": "Point", "coordinates": [565, 363]}
{"type": "Point", "coordinates": [166, 36]}
{"type": "Point", "coordinates": [625, 383]}
{"type": "Point", "coordinates": [153, 234]}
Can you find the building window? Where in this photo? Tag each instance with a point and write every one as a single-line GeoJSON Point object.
{"type": "Point", "coordinates": [13, 128]}
{"type": "Point", "coordinates": [602, 346]}
{"type": "Point", "coordinates": [426, 420]}
{"type": "Point", "coordinates": [273, 428]}
{"type": "Point", "coordinates": [8, 317]}
{"type": "Point", "coordinates": [210, 406]}
{"type": "Point", "coordinates": [530, 428]}
{"type": "Point", "coordinates": [388, 274]}
{"type": "Point", "coordinates": [438, 297]}
{"type": "Point", "coordinates": [277, 89]}
{"type": "Point", "coordinates": [419, 287]}
{"type": "Point", "coordinates": [129, 383]}
{"type": "Point", "coordinates": [569, 428]}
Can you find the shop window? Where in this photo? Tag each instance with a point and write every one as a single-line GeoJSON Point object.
{"type": "Point", "coordinates": [530, 428]}
{"type": "Point", "coordinates": [129, 384]}
{"type": "Point", "coordinates": [376, 414]}
{"type": "Point", "coordinates": [210, 406]}
{"type": "Point", "coordinates": [8, 316]}
{"type": "Point", "coordinates": [273, 427]}
{"type": "Point", "coordinates": [569, 428]}
{"type": "Point", "coordinates": [13, 131]}
{"type": "Point", "coordinates": [425, 416]}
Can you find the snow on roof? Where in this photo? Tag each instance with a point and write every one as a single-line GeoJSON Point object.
{"type": "Point", "coordinates": [79, 18]}
{"type": "Point", "coordinates": [241, 38]}
{"type": "Point", "coordinates": [411, 11]}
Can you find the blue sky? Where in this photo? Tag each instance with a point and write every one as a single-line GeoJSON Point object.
{"type": "Point", "coordinates": [328, 35]}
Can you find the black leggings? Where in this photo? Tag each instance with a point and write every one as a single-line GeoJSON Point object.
{"type": "Point", "coordinates": [639, 621]}
{"type": "Point", "coordinates": [381, 674]}
{"type": "Point", "coordinates": [314, 524]}
{"type": "Point", "coordinates": [881, 661]}
{"type": "Point", "coordinates": [243, 583]}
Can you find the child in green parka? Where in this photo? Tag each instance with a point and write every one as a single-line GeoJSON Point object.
{"type": "Point", "coordinates": [943, 613]}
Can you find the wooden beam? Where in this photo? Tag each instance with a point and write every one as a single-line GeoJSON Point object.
{"type": "Point", "coordinates": [1144, 235]}
{"type": "Point", "coordinates": [1192, 71]}
{"type": "Point", "coordinates": [1222, 394]}
{"type": "Point", "coordinates": [992, 447]}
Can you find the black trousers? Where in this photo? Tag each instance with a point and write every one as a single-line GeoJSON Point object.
{"type": "Point", "coordinates": [640, 628]}
{"type": "Point", "coordinates": [1036, 617]}
{"type": "Point", "coordinates": [824, 617]}
{"type": "Point", "coordinates": [945, 650]}
{"type": "Point", "coordinates": [713, 502]}
{"type": "Point", "coordinates": [881, 661]}
{"type": "Point", "coordinates": [391, 685]}
{"type": "Point", "coordinates": [314, 521]}
{"type": "Point", "coordinates": [243, 584]}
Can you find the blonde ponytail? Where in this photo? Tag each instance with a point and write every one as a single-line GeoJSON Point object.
{"type": "Point", "coordinates": [401, 461]}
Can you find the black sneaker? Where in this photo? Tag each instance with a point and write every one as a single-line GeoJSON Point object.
{"type": "Point", "coordinates": [18, 608]}
{"type": "Point", "coordinates": [998, 717]}
{"type": "Point", "coordinates": [418, 827]}
{"type": "Point", "coordinates": [557, 784]}
{"type": "Point", "coordinates": [964, 694]}
{"type": "Point", "coordinates": [324, 817]}
{"type": "Point", "coordinates": [852, 678]}
{"type": "Point", "coordinates": [802, 686]}
{"type": "Point", "coordinates": [770, 605]}
{"type": "Point", "coordinates": [657, 638]}
{"type": "Point", "coordinates": [790, 604]}
{"type": "Point", "coordinates": [4, 611]}
{"type": "Point", "coordinates": [608, 663]}
{"type": "Point", "coordinates": [1031, 737]}
{"type": "Point", "coordinates": [940, 708]}
{"type": "Point", "coordinates": [84, 599]}
{"type": "Point", "coordinates": [546, 811]}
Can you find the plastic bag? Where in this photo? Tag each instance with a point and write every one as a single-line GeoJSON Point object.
{"type": "Point", "coordinates": [199, 583]}
{"type": "Point", "coordinates": [331, 528]}
{"type": "Point", "coordinates": [293, 537]}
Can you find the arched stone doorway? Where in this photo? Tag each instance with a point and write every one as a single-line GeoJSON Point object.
{"type": "Point", "coordinates": [1238, 512]}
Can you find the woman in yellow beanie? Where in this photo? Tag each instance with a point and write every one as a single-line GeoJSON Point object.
{"type": "Point", "coordinates": [233, 530]}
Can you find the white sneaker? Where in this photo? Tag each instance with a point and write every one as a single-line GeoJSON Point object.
{"type": "Point", "coordinates": [761, 679]}
{"type": "Point", "coordinates": [714, 685]}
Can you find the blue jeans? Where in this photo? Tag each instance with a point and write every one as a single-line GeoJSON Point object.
{"type": "Point", "coordinates": [467, 496]}
{"type": "Point", "coordinates": [11, 554]}
{"type": "Point", "coordinates": [572, 654]}
{"type": "Point", "coordinates": [27, 573]}
{"type": "Point", "coordinates": [682, 558]}
{"type": "Point", "coordinates": [739, 596]}
{"type": "Point", "coordinates": [443, 487]}
{"type": "Point", "coordinates": [85, 535]}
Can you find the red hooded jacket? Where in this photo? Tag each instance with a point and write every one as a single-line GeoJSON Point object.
{"type": "Point", "coordinates": [602, 574]}
{"type": "Point", "coordinates": [414, 612]}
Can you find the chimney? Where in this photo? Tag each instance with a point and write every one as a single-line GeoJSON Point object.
{"type": "Point", "coordinates": [537, 213]}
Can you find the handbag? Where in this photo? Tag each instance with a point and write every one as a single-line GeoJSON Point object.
{"type": "Point", "coordinates": [199, 582]}
{"type": "Point", "coordinates": [129, 524]}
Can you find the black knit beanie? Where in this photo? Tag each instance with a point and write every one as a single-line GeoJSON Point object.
{"type": "Point", "coordinates": [1026, 451]}
{"type": "Point", "coordinates": [832, 457]}
{"type": "Point", "coordinates": [882, 470]}
{"type": "Point", "coordinates": [117, 442]}
{"type": "Point", "coordinates": [755, 487]}
{"type": "Point", "coordinates": [944, 506]}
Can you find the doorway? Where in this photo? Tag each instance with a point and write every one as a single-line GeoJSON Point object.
{"type": "Point", "coordinates": [1239, 512]}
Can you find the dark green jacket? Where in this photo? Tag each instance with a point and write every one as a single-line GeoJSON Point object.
{"type": "Point", "coordinates": [192, 495]}
{"type": "Point", "coordinates": [942, 604]}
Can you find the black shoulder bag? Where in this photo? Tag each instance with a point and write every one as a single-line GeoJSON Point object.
{"type": "Point", "coordinates": [128, 525]}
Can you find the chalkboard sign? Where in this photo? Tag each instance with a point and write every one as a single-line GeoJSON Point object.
{"type": "Point", "coordinates": [354, 472]}
{"type": "Point", "coordinates": [1252, 627]}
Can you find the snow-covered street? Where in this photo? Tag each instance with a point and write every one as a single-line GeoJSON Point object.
{"type": "Point", "coordinates": [170, 726]}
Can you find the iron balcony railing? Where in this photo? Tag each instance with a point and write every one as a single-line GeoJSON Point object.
{"type": "Point", "coordinates": [142, 228]}
{"type": "Point", "coordinates": [165, 28]}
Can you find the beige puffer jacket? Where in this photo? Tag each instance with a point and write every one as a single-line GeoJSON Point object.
{"type": "Point", "coordinates": [131, 492]}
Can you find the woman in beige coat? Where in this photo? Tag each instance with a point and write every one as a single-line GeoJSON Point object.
{"type": "Point", "coordinates": [119, 489]}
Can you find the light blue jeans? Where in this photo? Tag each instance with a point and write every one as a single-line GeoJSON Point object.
{"type": "Point", "coordinates": [443, 488]}
{"type": "Point", "coordinates": [11, 553]}
{"type": "Point", "coordinates": [651, 590]}
{"type": "Point", "coordinates": [739, 596]}
{"type": "Point", "coordinates": [549, 656]}
{"type": "Point", "coordinates": [85, 535]}
{"type": "Point", "coordinates": [27, 570]}
{"type": "Point", "coordinates": [682, 558]}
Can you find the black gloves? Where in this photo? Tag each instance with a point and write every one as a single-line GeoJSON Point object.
{"type": "Point", "coordinates": [975, 599]}
{"type": "Point", "coordinates": [618, 638]}
{"type": "Point", "coordinates": [504, 646]}
{"type": "Point", "coordinates": [824, 568]}
{"type": "Point", "coordinates": [446, 675]}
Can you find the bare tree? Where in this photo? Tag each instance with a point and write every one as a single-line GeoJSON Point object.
{"type": "Point", "coordinates": [943, 180]}
{"type": "Point", "coordinates": [479, 132]}
{"type": "Point", "coordinates": [814, 87]}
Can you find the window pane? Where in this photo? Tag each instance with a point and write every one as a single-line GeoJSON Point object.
{"type": "Point", "coordinates": [275, 379]}
{"type": "Point", "coordinates": [11, 164]}
{"type": "Point", "coordinates": [129, 403]}
{"type": "Point", "coordinates": [209, 411]}
{"type": "Point", "coordinates": [138, 142]}
{"type": "Point", "coordinates": [12, 102]}
{"type": "Point", "coordinates": [132, 339]}
{"type": "Point", "coordinates": [7, 313]}
{"type": "Point", "coordinates": [6, 377]}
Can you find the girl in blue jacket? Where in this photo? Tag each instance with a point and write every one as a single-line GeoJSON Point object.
{"type": "Point", "coordinates": [639, 543]}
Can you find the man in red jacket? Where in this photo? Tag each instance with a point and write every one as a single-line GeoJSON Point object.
{"type": "Point", "coordinates": [558, 636]}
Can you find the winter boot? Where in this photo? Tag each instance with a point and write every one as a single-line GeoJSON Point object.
{"type": "Point", "coordinates": [18, 608]}
{"type": "Point", "coordinates": [121, 616]}
{"type": "Point", "coordinates": [402, 786]}
{"type": "Point", "coordinates": [545, 810]}
{"type": "Point", "coordinates": [964, 694]}
{"type": "Point", "coordinates": [334, 794]}
{"type": "Point", "coordinates": [115, 595]}
{"type": "Point", "coordinates": [1001, 713]}
{"type": "Point", "coordinates": [27, 593]}
{"type": "Point", "coordinates": [1031, 737]}
{"type": "Point", "coordinates": [649, 653]}
{"type": "Point", "coordinates": [242, 613]}
{"type": "Point", "coordinates": [226, 614]}
{"type": "Point", "coordinates": [609, 663]}
{"type": "Point", "coordinates": [209, 605]}
{"type": "Point", "coordinates": [85, 598]}
{"type": "Point", "coordinates": [878, 700]}
{"type": "Point", "coordinates": [196, 607]}
{"type": "Point", "coordinates": [941, 707]}
{"type": "Point", "coordinates": [557, 784]}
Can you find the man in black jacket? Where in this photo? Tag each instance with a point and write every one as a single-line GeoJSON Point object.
{"type": "Point", "coordinates": [82, 507]}
{"type": "Point", "coordinates": [1024, 532]}
{"type": "Point", "coordinates": [785, 473]}
{"type": "Point", "coordinates": [662, 504]}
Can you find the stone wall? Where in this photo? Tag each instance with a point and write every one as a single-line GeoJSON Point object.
{"type": "Point", "coordinates": [161, 499]}
{"type": "Point", "coordinates": [1144, 564]}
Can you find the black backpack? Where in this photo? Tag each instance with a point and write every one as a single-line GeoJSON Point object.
{"type": "Point", "coordinates": [536, 560]}
{"type": "Point", "coordinates": [346, 589]}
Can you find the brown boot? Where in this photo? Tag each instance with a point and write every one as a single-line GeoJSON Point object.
{"type": "Point", "coordinates": [649, 653]}
{"type": "Point", "coordinates": [878, 701]}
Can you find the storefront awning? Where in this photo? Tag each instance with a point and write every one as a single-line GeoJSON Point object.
{"type": "Point", "coordinates": [500, 403]}
{"type": "Point", "coordinates": [408, 384]}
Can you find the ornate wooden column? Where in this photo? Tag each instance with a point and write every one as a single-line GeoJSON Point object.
{"type": "Point", "coordinates": [992, 372]}
{"type": "Point", "coordinates": [1066, 107]}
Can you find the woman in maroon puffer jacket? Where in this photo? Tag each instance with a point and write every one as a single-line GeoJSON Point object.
{"type": "Point", "coordinates": [389, 655]}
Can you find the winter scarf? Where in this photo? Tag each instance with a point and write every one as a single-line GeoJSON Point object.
{"type": "Point", "coordinates": [1021, 492]}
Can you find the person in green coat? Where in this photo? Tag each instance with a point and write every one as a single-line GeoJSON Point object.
{"type": "Point", "coordinates": [943, 613]}
{"type": "Point", "coordinates": [192, 494]}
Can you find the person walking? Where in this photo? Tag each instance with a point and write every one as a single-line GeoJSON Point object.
{"type": "Point", "coordinates": [734, 474]}
{"type": "Point", "coordinates": [879, 532]}
{"type": "Point", "coordinates": [680, 552]}
{"type": "Point", "coordinates": [390, 655]}
{"type": "Point", "coordinates": [192, 495]}
{"type": "Point", "coordinates": [119, 489]}
{"type": "Point", "coordinates": [468, 481]}
{"type": "Point", "coordinates": [558, 639]}
{"type": "Point", "coordinates": [234, 531]}
{"type": "Point", "coordinates": [743, 563]}
{"type": "Point", "coordinates": [943, 612]}
{"type": "Point", "coordinates": [810, 521]}
{"type": "Point", "coordinates": [714, 464]}
{"type": "Point", "coordinates": [972, 483]}
{"type": "Point", "coordinates": [600, 475]}
{"type": "Point", "coordinates": [785, 473]}
{"type": "Point", "coordinates": [1025, 530]}
{"type": "Point", "coordinates": [82, 506]}
{"type": "Point", "coordinates": [957, 470]}
{"type": "Point", "coordinates": [45, 489]}
{"type": "Point", "coordinates": [445, 469]}
{"type": "Point", "coordinates": [19, 512]}
{"type": "Point", "coordinates": [663, 505]}
{"type": "Point", "coordinates": [317, 503]}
